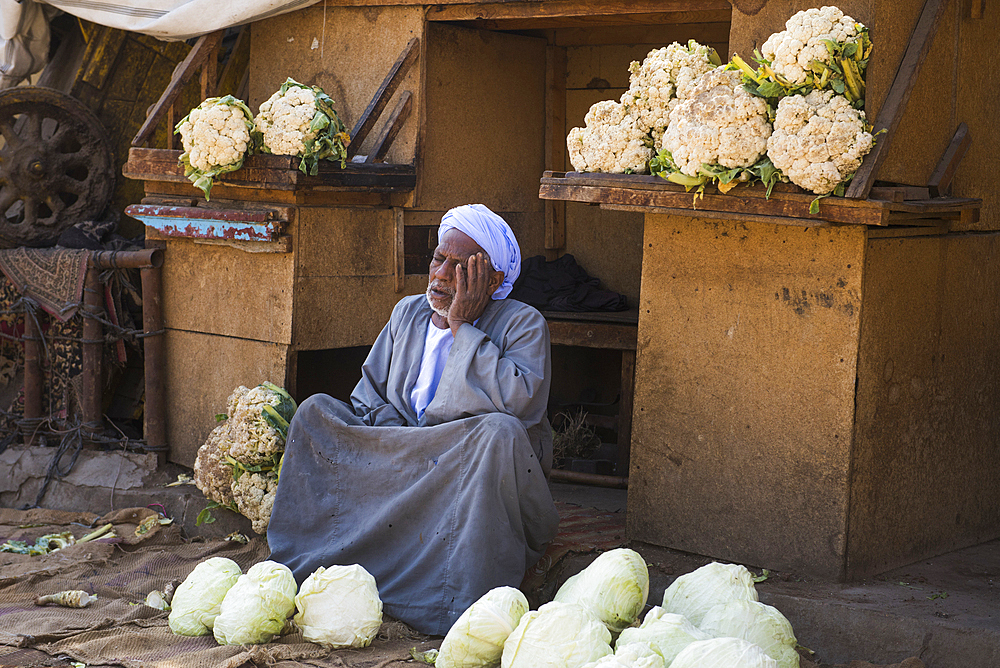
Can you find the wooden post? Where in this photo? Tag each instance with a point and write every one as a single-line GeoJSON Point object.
{"type": "Point", "coordinates": [381, 98]}
{"type": "Point", "coordinates": [93, 351]}
{"type": "Point", "coordinates": [555, 141]}
{"type": "Point", "coordinates": [894, 105]}
{"type": "Point", "coordinates": [154, 359]}
{"type": "Point", "coordinates": [33, 377]}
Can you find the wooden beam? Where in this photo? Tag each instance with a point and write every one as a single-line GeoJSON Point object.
{"type": "Point", "coordinates": [392, 127]}
{"type": "Point", "coordinates": [555, 140]}
{"type": "Point", "coordinates": [940, 182]}
{"type": "Point", "coordinates": [398, 251]}
{"type": "Point", "coordinates": [383, 95]}
{"type": "Point", "coordinates": [566, 8]}
{"type": "Point", "coordinates": [894, 105]}
{"type": "Point", "coordinates": [977, 9]}
{"type": "Point", "coordinates": [206, 47]}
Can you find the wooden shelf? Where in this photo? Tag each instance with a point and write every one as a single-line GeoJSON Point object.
{"type": "Point", "coordinates": [277, 172]}
{"type": "Point", "coordinates": [787, 204]}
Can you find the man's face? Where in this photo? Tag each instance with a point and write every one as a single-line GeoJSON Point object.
{"type": "Point", "coordinates": [454, 248]}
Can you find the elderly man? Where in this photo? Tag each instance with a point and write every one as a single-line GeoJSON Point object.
{"type": "Point", "coordinates": [433, 478]}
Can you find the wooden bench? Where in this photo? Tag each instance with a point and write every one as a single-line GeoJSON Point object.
{"type": "Point", "coordinates": [609, 330]}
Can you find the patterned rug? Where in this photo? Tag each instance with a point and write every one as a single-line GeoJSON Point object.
{"type": "Point", "coordinates": [52, 277]}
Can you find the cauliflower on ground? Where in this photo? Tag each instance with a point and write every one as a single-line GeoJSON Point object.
{"type": "Point", "coordinates": [662, 80]}
{"type": "Point", "coordinates": [719, 124]}
{"type": "Point", "coordinates": [250, 438]}
{"type": "Point", "coordinates": [212, 475]}
{"type": "Point", "coordinates": [792, 51]}
{"type": "Point", "coordinates": [239, 464]}
{"type": "Point", "coordinates": [611, 142]}
{"type": "Point", "coordinates": [215, 136]}
{"type": "Point", "coordinates": [300, 120]}
{"type": "Point", "coordinates": [254, 496]}
{"type": "Point", "coordinates": [818, 140]}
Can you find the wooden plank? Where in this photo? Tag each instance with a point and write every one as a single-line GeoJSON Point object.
{"type": "Point", "coordinates": [899, 193]}
{"type": "Point", "coordinates": [643, 24]}
{"type": "Point", "coordinates": [204, 48]}
{"type": "Point", "coordinates": [892, 109]}
{"type": "Point", "coordinates": [282, 244]}
{"type": "Point", "coordinates": [709, 204]}
{"type": "Point", "coordinates": [625, 411]}
{"type": "Point", "coordinates": [977, 9]}
{"type": "Point", "coordinates": [566, 8]}
{"type": "Point", "coordinates": [719, 215]}
{"type": "Point", "coordinates": [392, 126]}
{"type": "Point", "coordinates": [382, 95]}
{"type": "Point", "coordinates": [236, 65]}
{"type": "Point", "coordinates": [940, 182]}
{"type": "Point", "coordinates": [101, 55]}
{"type": "Point", "coordinates": [619, 317]}
{"type": "Point", "coordinates": [209, 73]}
{"type": "Point", "coordinates": [709, 28]}
{"type": "Point", "coordinates": [399, 255]}
{"type": "Point", "coordinates": [592, 335]}
{"type": "Point", "coordinates": [555, 140]}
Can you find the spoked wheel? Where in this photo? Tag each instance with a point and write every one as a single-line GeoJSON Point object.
{"type": "Point", "coordinates": [56, 166]}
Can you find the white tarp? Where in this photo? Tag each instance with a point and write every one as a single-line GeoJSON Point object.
{"type": "Point", "coordinates": [24, 33]}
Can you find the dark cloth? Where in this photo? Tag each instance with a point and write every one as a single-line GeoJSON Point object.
{"type": "Point", "coordinates": [563, 285]}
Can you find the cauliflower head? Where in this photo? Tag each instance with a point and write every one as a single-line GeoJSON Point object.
{"type": "Point", "coordinates": [250, 438]}
{"type": "Point", "coordinates": [215, 134]}
{"type": "Point", "coordinates": [819, 140]}
{"type": "Point", "coordinates": [662, 80]}
{"type": "Point", "coordinates": [793, 50]}
{"type": "Point", "coordinates": [254, 494]}
{"type": "Point", "coordinates": [300, 120]}
{"type": "Point", "coordinates": [285, 120]}
{"type": "Point", "coordinates": [720, 123]}
{"type": "Point", "coordinates": [611, 142]}
{"type": "Point", "coordinates": [212, 474]}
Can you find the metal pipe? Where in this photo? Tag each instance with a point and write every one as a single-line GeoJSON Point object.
{"type": "Point", "coordinates": [93, 351]}
{"type": "Point", "coordinates": [33, 377]}
{"type": "Point", "coordinates": [592, 479]}
{"type": "Point", "coordinates": [150, 257]}
{"type": "Point", "coordinates": [153, 345]}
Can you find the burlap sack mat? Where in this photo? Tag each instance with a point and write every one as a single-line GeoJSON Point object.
{"type": "Point", "coordinates": [119, 629]}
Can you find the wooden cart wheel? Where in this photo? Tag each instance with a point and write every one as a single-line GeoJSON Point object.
{"type": "Point", "coordinates": [56, 166]}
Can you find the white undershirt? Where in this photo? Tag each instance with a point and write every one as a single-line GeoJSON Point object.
{"type": "Point", "coordinates": [437, 345]}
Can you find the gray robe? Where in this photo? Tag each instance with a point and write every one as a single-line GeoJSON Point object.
{"type": "Point", "coordinates": [439, 510]}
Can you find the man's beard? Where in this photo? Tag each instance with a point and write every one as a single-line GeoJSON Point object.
{"type": "Point", "coordinates": [441, 311]}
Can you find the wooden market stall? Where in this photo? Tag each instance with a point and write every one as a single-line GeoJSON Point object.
{"type": "Point", "coordinates": [810, 391]}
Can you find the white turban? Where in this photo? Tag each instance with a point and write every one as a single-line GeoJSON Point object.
{"type": "Point", "coordinates": [493, 235]}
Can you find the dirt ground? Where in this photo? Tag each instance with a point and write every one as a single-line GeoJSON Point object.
{"type": "Point", "coordinates": [120, 630]}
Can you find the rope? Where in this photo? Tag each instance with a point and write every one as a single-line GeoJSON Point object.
{"type": "Point", "coordinates": [72, 439]}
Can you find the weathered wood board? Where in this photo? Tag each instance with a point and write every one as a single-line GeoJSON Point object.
{"type": "Point", "coordinates": [224, 291]}
{"type": "Point", "coordinates": [202, 371]}
{"type": "Point", "coordinates": [925, 476]}
{"type": "Point", "coordinates": [485, 120]}
{"type": "Point", "coordinates": [744, 397]}
{"type": "Point", "coordinates": [346, 50]}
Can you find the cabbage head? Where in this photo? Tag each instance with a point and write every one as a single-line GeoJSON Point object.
{"type": "Point", "coordinates": [196, 601]}
{"type": "Point", "coordinates": [614, 586]}
{"type": "Point", "coordinates": [665, 632]}
{"type": "Point", "coordinates": [723, 653]}
{"type": "Point", "coordinates": [476, 639]}
{"type": "Point", "coordinates": [256, 607]}
{"type": "Point", "coordinates": [339, 607]}
{"type": "Point", "coordinates": [635, 655]}
{"type": "Point", "coordinates": [557, 635]}
{"type": "Point", "coordinates": [695, 593]}
{"type": "Point", "coordinates": [761, 624]}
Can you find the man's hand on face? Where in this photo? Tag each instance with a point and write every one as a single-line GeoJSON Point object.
{"type": "Point", "coordinates": [473, 291]}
